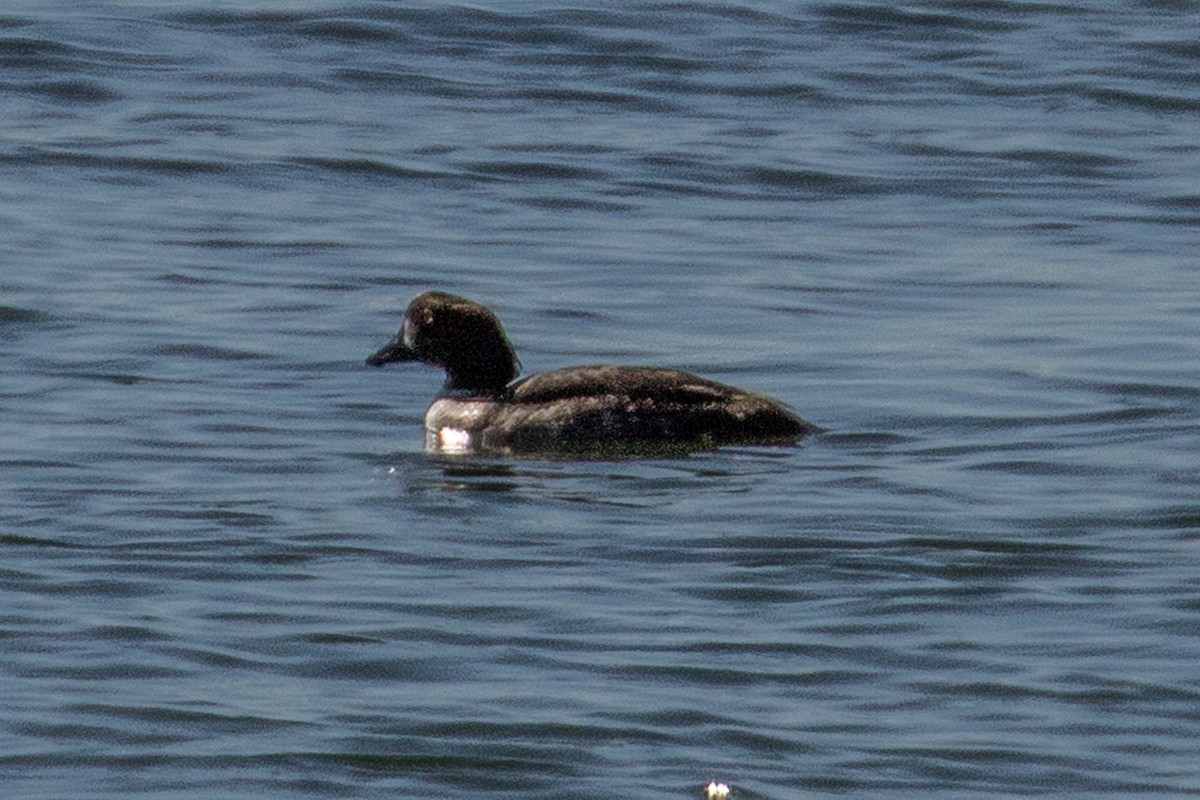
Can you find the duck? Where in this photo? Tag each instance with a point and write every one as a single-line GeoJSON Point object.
{"type": "Point", "coordinates": [483, 408]}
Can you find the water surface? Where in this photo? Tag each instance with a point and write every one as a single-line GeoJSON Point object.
{"type": "Point", "coordinates": [960, 237]}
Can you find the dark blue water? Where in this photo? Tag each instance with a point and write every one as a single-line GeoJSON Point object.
{"type": "Point", "coordinates": [962, 237]}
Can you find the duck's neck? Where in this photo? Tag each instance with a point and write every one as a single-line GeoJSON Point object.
{"type": "Point", "coordinates": [468, 392]}
{"type": "Point", "coordinates": [480, 377]}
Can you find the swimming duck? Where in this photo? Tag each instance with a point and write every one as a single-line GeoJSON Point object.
{"type": "Point", "coordinates": [589, 408]}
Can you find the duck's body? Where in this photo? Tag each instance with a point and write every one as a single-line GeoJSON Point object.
{"type": "Point", "coordinates": [591, 408]}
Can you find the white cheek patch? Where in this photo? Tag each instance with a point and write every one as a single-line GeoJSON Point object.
{"type": "Point", "coordinates": [410, 332]}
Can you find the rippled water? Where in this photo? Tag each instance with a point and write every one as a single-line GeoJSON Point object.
{"type": "Point", "coordinates": [960, 236]}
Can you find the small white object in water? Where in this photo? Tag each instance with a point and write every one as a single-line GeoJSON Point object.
{"type": "Point", "coordinates": [717, 791]}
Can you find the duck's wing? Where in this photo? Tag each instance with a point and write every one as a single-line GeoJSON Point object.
{"type": "Point", "coordinates": [604, 403]}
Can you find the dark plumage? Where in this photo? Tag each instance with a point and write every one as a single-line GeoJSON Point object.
{"type": "Point", "coordinates": [590, 409]}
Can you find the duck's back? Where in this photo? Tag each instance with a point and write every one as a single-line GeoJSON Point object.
{"type": "Point", "coordinates": [603, 404]}
{"type": "Point", "coordinates": [668, 385]}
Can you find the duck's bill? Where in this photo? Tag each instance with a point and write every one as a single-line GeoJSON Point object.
{"type": "Point", "coordinates": [393, 351]}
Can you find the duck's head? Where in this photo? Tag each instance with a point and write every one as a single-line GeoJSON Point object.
{"type": "Point", "coordinates": [461, 337]}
